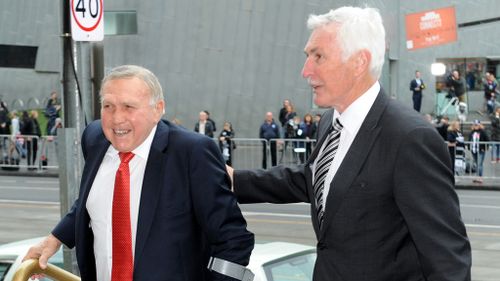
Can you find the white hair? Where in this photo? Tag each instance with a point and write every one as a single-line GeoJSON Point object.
{"type": "Point", "coordinates": [359, 28]}
{"type": "Point", "coordinates": [130, 71]}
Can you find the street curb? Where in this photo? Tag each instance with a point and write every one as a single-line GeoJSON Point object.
{"type": "Point", "coordinates": [35, 173]}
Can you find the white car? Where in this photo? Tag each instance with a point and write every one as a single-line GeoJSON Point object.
{"type": "Point", "coordinates": [274, 261]}
{"type": "Point", "coordinates": [11, 256]}
{"type": "Point", "coordinates": [282, 261]}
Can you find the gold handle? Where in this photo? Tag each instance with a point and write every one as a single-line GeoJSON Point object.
{"type": "Point", "coordinates": [31, 267]}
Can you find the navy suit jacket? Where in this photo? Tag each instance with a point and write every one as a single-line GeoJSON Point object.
{"type": "Point", "coordinates": [187, 212]}
{"type": "Point", "coordinates": [391, 213]}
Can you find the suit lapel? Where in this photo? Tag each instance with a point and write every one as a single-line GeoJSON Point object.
{"type": "Point", "coordinates": [151, 187]}
{"type": "Point", "coordinates": [323, 128]}
{"type": "Point", "coordinates": [354, 159]}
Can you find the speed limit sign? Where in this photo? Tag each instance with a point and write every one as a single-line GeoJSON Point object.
{"type": "Point", "coordinates": [87, 23]}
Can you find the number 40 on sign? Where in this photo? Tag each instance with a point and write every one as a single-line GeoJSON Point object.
{"type": "Point", "coordinates": [87, 22]}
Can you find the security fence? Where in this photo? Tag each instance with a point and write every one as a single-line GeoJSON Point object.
{"type": "Point", "coordinates": [28, 152]}
{"type": "Point", "coordinates": [246, 153]}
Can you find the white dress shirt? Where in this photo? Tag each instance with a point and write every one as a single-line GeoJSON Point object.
{"type": "Point", "coordinates": [351, 120]}
{"type": "Point", "coordinates": [100, 202]}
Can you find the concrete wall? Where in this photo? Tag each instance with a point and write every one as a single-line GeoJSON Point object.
{"type": "Point", "coordinates": [235, 58]}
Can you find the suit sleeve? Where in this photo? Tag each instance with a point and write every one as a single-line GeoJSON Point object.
{"type": "Point", "coordinates": [279, 184]}
{"type": "Point", "coordinates": [215, 206]}
{"type": "Point", "coordinates": [66, 228]}
{"type": "Point", "coordinates": [424, 193]}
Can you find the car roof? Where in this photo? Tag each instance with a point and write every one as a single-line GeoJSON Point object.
{"type": "Point", "coordinates": [266, 252]}
{"type": "Point", "coordinates": [19, 247]}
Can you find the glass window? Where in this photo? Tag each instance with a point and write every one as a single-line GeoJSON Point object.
{"type": "Point", "coordinates": [120, 23]}
{"type": "Point", "coordinates": [4, 267]}
{"type": "Point", "coordinates": [295, 268]}
{"type": "Point", "coordinates": [18, 56]}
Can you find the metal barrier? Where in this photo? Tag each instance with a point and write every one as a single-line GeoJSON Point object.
{"type": "Point", "coordinates": [470, 166]}
{"type": "Point", "coordinates": [253, 153]}
{"type": "Point", "coordinates": [249, 155]}
{"type": "Point", "coordinates": [31, 267]}
{"type": "Point", "coordinates": [28, 152]}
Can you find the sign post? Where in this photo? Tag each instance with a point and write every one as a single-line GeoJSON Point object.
{"type": "Point", "coordinates": [87, 22]}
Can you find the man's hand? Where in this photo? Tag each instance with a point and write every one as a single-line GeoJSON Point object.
{"type": "Point", "coordinates": [230, 171]}
{"type": "Point", "coordinates": [44, 250]}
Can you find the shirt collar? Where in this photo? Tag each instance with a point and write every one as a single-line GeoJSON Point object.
{"type": "Point", "coordinates": [354, 115]}
{"type": "Point", "coordinates": [142, 150]}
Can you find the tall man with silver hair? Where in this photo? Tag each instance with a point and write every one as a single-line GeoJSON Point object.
{"type": "Point", "coordinates": [154, 201]}
{"type": "Point", "coordinates": [379, 181]}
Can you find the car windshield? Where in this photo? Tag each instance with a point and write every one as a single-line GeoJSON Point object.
{"type": "Point", "coordinates": [295, 268]}
{"type": "Point", "coordinates": [4, 267]}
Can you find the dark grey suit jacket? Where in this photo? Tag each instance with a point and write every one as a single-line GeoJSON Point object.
{"type": "Point", "coordinates": [392, 212]}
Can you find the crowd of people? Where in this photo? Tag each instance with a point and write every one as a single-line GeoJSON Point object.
{"type": "Point", "coordinates": [291, 126]}
{"type": "Point", "coordinates": [21, 132]}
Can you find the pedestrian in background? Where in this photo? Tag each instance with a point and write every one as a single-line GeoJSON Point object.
{"type": "Point", "coordinates": [417, 86]}
{"type": "Point", "coordinates": [456, 148]}
{"type": "Point", "coordinates": [52, 110]}
{"type": "Point", "coordinates": [269, 130]}
{"type": "Point", "coordinates": [203, 126]}
{"type": "Point", "coordinates": [478, 148]}
{"type": "Point", "coordinates": [226, 143]}
{"type": "Point", "coordinates": [495, 136]}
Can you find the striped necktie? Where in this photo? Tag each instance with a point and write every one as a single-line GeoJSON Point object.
{"type": "Point", "coordinates": [323, 166]}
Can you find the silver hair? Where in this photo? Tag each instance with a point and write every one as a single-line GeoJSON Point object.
{"type": "Point", "coordinates": [359, 28]}
{"type": "Point", "coordinates": [130, 71]}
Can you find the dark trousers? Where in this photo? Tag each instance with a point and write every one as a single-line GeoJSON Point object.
{"type": "Point", "coordinates": [32, 148]}
{"type": "Point", "coordinates": [272, 145]}
{"type": "Point", "coordinates": [417, 101]}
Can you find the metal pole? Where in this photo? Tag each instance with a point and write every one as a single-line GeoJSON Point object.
{"type": "Point", "coordinates": [69, 151]}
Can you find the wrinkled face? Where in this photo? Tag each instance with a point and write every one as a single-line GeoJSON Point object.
{"type": "Point", "coordinates": [127, 114]}
{"type": "Point", "coordinates": [330, 77]}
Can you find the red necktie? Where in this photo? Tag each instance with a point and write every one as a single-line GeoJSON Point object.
{"type": "Point", "coordinates": [123, 262]}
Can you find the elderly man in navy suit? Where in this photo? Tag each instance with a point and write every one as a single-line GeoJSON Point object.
{"type": "Point", "coordinates": [379, 181]}
{"type": "Point", "coordinates": [154, 202]}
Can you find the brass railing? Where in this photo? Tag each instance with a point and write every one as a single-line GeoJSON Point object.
{"type": "Point", "coordinates": [31, 267]}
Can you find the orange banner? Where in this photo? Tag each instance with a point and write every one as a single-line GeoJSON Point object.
{"type": "Point", "coordinates": [431, 28]}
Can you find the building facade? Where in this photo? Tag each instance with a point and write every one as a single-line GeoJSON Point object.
{"type": "Point", "coordinates": [237, 59]}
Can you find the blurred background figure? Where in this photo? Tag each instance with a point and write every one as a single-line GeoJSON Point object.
{"type": "Point", "coordinates": [203, 126]}
{"type": "Point", "coordinates": [456, 146]}
{"type": "Point", "coordinates": [269, 130]}
{"type": "Point", "coordinates": [478, 148]}
{"type": "Point", "coordinates": [417, 86]}
{"type": "Point", "coordinates": [308, 126]}
{"type": "Point", "coordinates": [4, 129]}
{"type": "Point", "coordinates": [226, 144]}
{"type": "Point", "coordinates": [495, 136]}
{"type": "Point", "coordinates": [490, 92]}
{"type": "Point", "coordinates": [52, 111]}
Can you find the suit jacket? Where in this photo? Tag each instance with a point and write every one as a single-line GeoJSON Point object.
{"type": "Point", "coordinates": [187, 212]}
{"type": "Point", "coordinates": [414, 84]}
{"type": "Point", "coordinates": [209, 128]}
{"type": "Point", "coordinates": [391, 213]}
